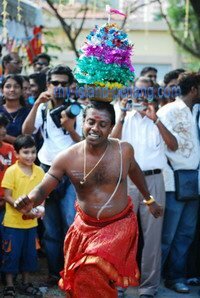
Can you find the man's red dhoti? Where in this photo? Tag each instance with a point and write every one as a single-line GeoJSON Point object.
{"type": "Point", "coordinates": [110, 244]}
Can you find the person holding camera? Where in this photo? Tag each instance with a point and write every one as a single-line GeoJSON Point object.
{"type": "Point", "coordinates": [182, 192]}
{"type": "Point", "coordinates": [145, 132]}
{"type": "Point", "coordinates": [61, 127]}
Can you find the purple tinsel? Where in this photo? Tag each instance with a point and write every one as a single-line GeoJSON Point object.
{"type": "Point", "coordinates": [110, 55]}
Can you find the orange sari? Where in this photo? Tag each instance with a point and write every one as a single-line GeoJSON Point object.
{"type": "Point", "coordinates": [110, 244]}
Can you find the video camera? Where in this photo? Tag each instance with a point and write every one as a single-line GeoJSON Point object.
{"type": "Point", "coordinates": [71, 108]}
{"type": "Point", "coordinates": [128, 106]}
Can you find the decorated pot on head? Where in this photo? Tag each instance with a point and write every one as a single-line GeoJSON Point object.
{"type": "Point", "coordinates": [104, 67]}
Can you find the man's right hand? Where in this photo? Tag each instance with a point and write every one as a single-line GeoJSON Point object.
{"type": "Point", "coordinates": [155, 209]}
{"type": "Point", "coordinates": [123, 105]}
{"type": "Point", "coordinates": [44, 97]}
{"type": "Point", "coordinates": [36, 212]}
{"type": "Point", "coordinates": [24, 204]}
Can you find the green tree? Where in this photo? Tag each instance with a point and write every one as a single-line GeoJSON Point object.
{"type": "Point", "coordinates": [68, 25]}
{"type": "Point", "coordinates": [186, 32]}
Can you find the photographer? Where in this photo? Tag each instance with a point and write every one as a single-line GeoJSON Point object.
{"type": "Point", "coordinates": [59, 213]}
{"type": "Point", "coordinates": [145, 132]}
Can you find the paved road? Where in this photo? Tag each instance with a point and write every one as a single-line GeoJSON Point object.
{"type": "Point", "coordinates": [130, 293]}
{"type": "Point", "coordinates": [166, 293]}
{"type": "Point", "coordinates": [41, 276]}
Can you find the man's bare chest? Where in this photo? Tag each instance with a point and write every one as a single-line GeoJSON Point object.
{"type": "Point", "coordinates": [106, 173]}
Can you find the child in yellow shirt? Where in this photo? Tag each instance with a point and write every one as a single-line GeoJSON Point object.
{"type": "Point", "coordinates": [19, 235]}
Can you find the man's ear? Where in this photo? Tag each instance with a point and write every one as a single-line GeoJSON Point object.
{"type": "Point", "coordinates": [194, 91]}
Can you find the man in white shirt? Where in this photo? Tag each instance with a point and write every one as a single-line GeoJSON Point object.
{"type": "Point", "coordinates": [180, 217]}
{"type": "Point", "coordinates": [148, 136]}
{"type": "Point", "coordinates": [59, 208]}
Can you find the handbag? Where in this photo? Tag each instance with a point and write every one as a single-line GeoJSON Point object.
{"type": "Point", "coordinates": [186, 183]}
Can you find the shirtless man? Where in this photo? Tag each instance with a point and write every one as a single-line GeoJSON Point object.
{"type": "Point", "coordinates": [103, 237]}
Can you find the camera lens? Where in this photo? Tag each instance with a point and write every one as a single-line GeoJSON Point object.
{"type": "Point", "coordinates": [73, 110]}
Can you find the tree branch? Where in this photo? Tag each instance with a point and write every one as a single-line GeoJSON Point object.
{"type": "Point", "coordinates": [133, 10]}
{"type": "Point", "coordinates": [142, 5]}
{"type": "Point", "coordinates": [82, 22]}
{"type": "Point", "coordinates": [175, 37]}
{"type": "Point", "coordinates": [125, 19]}
{"type": "Point", "coordinates": [67, 28]}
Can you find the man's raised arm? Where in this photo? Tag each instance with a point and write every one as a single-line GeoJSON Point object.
{"type": "Point", "coordinates": [28, 126]}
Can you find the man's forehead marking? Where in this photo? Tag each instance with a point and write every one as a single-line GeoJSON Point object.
{"type": "Point", "coordinates": [98, 118]}
{"type": "Point", "coordinates": [98, 114]}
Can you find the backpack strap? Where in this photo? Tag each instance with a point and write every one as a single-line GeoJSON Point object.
{"type": "Point", "coordinates": [44, 114]}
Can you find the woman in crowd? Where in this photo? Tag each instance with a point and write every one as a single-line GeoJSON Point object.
{"type": "Point", "coordinates": [13, 105]}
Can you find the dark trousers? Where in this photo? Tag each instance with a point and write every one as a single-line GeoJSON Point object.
{"type": "Point", "coordinates": [193, 264]}
{"type": "Point", "coordinates": [179, 227]}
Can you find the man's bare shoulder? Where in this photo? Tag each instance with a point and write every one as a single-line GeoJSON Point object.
{"type": "Point", "coordinates": [127, 147]}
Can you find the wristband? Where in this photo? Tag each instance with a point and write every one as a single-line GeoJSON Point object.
{"type": "Point", "coordinates": [156, 121]}
{"type": "Point", "coordinates": [122, 121]}
{"type": "Point", "coordinates": [150, 201]}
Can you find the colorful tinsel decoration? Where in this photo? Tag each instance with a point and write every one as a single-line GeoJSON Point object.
{"type": "Point", "coordinates": [105, 59]}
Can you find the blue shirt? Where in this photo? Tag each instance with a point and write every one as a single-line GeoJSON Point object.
{"type": "Point", "coordinates": [16, 119]}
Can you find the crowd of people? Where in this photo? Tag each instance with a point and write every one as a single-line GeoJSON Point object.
{"type": "Point", "coordinates": [154, 141]}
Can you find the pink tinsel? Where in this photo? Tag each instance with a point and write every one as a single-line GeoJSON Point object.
{"type": "Point", "coordinates": [110, 55]}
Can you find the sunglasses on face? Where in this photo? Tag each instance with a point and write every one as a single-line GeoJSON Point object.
{"type": "Point", "coordinates": [152, 77]}
{"type": "Point", "coordinates": [56, 83]}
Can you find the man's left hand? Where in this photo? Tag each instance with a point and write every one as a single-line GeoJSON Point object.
{"type": "Point", "coordinates": [66, 122]}
{"type": "Point", "coordinates": [156, 210]}
{"type": "Point", "coordinates": [151, 112]}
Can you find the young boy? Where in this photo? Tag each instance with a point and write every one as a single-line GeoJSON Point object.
{"type": "Point", "coordinates": [19, 235]}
